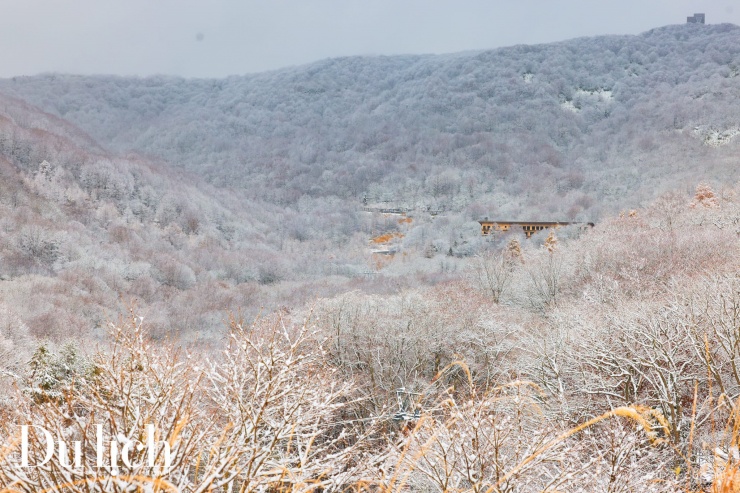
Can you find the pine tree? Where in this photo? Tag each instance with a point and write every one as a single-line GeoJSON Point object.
{"type": "Point", "coordinates": [52, 373]}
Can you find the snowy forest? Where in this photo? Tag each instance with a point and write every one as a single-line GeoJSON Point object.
{"type": "Point", "coordinates": [284, 272]}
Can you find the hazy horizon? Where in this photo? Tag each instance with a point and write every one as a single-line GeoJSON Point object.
{"type": "Point", "coordinates": [192, 38]}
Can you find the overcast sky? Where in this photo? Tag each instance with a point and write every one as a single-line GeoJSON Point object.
{"type": "Point", "coordinates": [216, 38]}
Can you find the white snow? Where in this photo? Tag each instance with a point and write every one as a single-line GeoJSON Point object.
{"type": "Point", "coordinates": [714, 137]}
{"type": "Point", "coordinates": [569, 106]}
{"type": "Point", "coordinates": [601, 95]}
{"type": "Point", "coordinates": [597, 98]}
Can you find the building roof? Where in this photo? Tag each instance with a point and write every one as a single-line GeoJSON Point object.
{"type": "Point", "coordinates": [536, 223]}
{"type": "Point", "coordinates": [523, 222]}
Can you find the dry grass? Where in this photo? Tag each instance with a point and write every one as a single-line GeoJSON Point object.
{"type": "Point", "coordinates": [270, 414]}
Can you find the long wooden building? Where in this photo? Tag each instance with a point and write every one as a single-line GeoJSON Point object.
{"type": "Point", "coordinates": [529, 227]}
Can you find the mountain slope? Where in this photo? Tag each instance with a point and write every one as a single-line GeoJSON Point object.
{"type": "Point", "coordinates": [86, 233]}
{"type": "Point", "coordinates": [563, 129]}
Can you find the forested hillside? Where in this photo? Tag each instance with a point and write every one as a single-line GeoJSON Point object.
{"type": "Point", "coordinates": [110, 179]}
{"type": "Point", "coordinates": [558, 131]}
{"type": "Point", "coordinates": [284, 273]}
{"type": "Point", "coordinates": [86, 233]}
{"type": "Point", "coordinates": [605, 363]}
